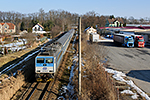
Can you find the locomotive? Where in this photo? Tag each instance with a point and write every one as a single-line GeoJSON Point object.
{"type": "Point", "coordinates": [49, 58]}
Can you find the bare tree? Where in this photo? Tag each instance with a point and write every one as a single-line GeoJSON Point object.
{"type": "Point", "coordinates": [41, 15]}
{"type": "Point", "coordinates": [30, 37]}
{"type": "Point", "coordinates": [55, 30]}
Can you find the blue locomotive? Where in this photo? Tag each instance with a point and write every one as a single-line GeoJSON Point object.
{"type": "Point", "coordinates": [49, 59]}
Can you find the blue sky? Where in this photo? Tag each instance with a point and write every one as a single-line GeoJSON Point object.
{"type": "Point", "coordinates": [118, 8]}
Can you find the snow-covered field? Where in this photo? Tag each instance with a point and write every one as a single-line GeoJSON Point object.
{"type": "Point", "coordinates": [15, 46]}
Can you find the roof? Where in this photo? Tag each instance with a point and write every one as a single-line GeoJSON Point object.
{"type": "Point", "coordinates": [40, 25]}
{"type": "Point", "coordinates": [120, 20]}
{"type": "Point", "coordinates": [146, 32]}
{"type": "Point", "coordinates": [111, 21]}
{"type": "Point", "coordinates": [11, 25]}
{"type": "Point", "coordinates": [2, 24]}
{"type": "Point", "coordinates": [90, 28]}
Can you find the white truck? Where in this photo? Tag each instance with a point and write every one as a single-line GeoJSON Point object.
{"type": "Point", "coordinates": [94, 37]}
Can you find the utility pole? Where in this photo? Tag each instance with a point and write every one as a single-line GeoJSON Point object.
{"type": "Point", "coordinates": [79, 55]}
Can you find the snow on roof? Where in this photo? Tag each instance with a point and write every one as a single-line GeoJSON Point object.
{"type": "Point", "coordinates": [130, 30]}
{"type": "Point", "coordinates": [89, 28]}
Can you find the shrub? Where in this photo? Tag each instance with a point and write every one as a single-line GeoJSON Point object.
{"type": "Point", "coordinates": [95, 85]}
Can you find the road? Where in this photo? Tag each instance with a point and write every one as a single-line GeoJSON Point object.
{"type": "Point", "coordinates": [135, 62]}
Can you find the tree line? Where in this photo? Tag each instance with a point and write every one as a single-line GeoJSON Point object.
{"type": "Point", "coordinates": [59, 20]}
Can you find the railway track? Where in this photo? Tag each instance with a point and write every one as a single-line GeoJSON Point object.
{"type": "Point", "coordinates": [21, 62]}
{"type": "Point", "coordinates": [45, 91]}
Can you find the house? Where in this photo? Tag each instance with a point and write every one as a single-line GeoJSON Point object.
{"type": "Point", "coordinates": [114, 22]}
{"type": "Point", "coordinates": [38, 28]}
{"type": "Point", "coordinates": [90, 30]}
{"type": "Point", "coordinates": [7, 28]}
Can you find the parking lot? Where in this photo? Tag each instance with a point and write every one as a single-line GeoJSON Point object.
{"type": "Point", "coordinates": [135, 62]}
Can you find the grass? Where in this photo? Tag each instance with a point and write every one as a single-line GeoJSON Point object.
{"type": "Point", "coordinates": [13, 57]}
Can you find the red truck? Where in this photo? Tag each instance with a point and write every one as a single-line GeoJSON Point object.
{"type": "Point", "coordinates": [139, 40]}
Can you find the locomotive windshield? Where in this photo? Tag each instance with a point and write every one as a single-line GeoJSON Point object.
{"type": "Point", "coordinates": [49, 60]}
{"type": "Point", "coordinates": [40, 60]}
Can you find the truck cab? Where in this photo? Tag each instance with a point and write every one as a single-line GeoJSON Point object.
{"type": "Point", "coordinates": [129, 41]}
{"type": "Point", "coordinates": [139, 40]}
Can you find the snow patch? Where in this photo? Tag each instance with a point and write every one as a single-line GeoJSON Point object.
{"type": "Point", "coordinates": [120, 77]}
{"type": "Point", "coordinates": [127, 92]}
{"type": "Point", "coordinates": [134, 95]}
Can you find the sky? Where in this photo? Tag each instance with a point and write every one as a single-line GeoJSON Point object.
{"type": "Point", "coordinates": [119, 8]}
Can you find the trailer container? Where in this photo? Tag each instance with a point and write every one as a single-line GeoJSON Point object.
{"type": "Point", "coordinates": [125, 40]}
{"type": "Point", "coordinates": [94, 37]}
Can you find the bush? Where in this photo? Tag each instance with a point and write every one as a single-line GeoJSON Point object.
{"type": "Point", "coordinates": [95, 85]}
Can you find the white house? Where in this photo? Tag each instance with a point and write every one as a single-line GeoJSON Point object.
{"type": "Point", "coordinates": [38, 28]}
{"type": "Point", "coordinates": [90, 30]}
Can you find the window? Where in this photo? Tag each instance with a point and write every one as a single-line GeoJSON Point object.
{"type": "Point", "coordinates": [10, 30]}
{"type": "Point", "coordinates": [40, 60]}
{"type": "Point", "coordinates": [59, 55]}
{"type": "Point", "coordinates": [35, 29]}
{"type": "Point", "coordinates": [38, 28]}
{"type": "Point", "coordinates": [5, 30]}
{"type": "Point", "coordinates": [49, 60]}
{"type": "Point", "coordinates": [5, 26]}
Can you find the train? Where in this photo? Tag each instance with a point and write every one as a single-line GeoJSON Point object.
{"type": "Point", "coordinates": [50, 57]}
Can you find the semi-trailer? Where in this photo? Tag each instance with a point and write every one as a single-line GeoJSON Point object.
{"type": "Point", "coordinates": [125, 40]}
{"type": "Point", "coordinates": [138, 40]}
{"type": "Point", "coordinates": [94, 37]}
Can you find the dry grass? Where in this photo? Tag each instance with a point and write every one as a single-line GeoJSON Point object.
{"type": "Point", "coordinates": [95, 85]}
{"type": "Point", "coordinates": [10, 57]}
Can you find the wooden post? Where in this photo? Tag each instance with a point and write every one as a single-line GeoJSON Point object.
{"type": "Point", "coordinates": [79, 55]}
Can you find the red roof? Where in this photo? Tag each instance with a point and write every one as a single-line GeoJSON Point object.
{"type": "Point", "coordinates": [2, 24]}
{"type": "Point", "coordinates": [11, 25]}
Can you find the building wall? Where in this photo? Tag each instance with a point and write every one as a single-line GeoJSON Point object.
{"type": "Point", "coordinates": [6, 29]}
{"type": "Point", "coordinates": [37, 28]}
{"type": "Point", "coordinates": [91, 30]}
{"type": "Point", "coordinates": [113, 24]}
{"type": "Point", "coordinates": [0, 28]}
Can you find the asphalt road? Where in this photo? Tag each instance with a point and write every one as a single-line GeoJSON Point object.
{"type": "Point", "coordinates": [135, 62]}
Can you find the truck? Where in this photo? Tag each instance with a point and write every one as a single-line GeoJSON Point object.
{"type": "Point", "coordinates": [94, 37]}
{"type": "Point", "coordinates": [125, 40]}
{"type": "Point", "coordinates": [138, 40]}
